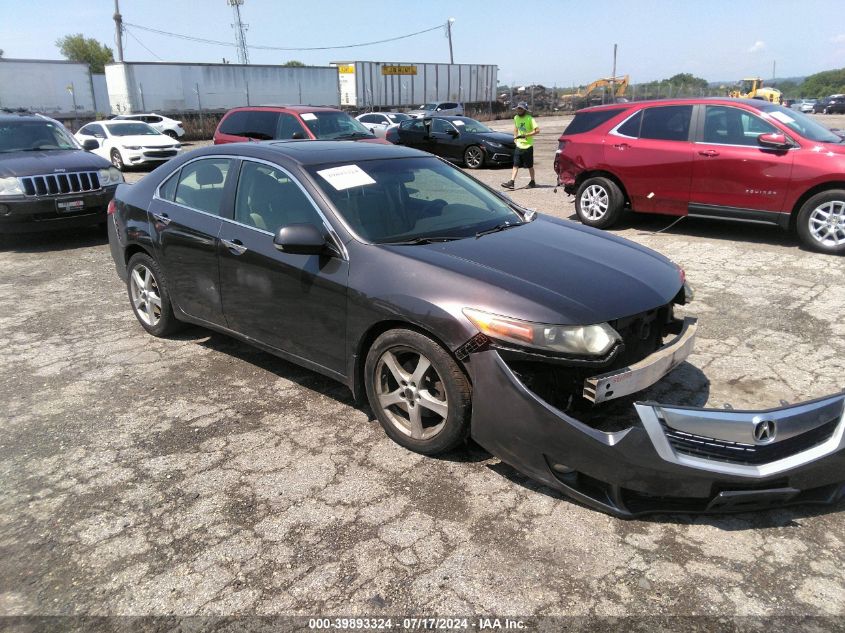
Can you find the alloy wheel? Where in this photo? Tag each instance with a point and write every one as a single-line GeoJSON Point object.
{"type": "Point", "coordinates": [146, 297]}
{"type": "Point", "coordinates": [411, 393]}
{"type": "Point", "coordinates": [474, 157]}
{"type": "Point", "coordinates": [827, 223]}
{"type": "Point", "coordinates": [594, 202]}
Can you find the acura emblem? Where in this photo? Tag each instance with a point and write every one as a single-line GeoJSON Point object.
{"type": "Point", "coordinates": [764, 432]}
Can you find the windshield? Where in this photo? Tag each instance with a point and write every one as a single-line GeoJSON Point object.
{"type": "Point", "coordinates": [131, 129]}
{"type": "Point", "coordinates": [16, 136]}
{"type": "Point", "coordinates": [471, 125]}
{"type": "Point", "coordinates": [403, 199]}
{"type": "Point", "coordinates": [333, 125]}
{"type": "Point", "coordinates": [800, 123]}
{"type": "Point", "coordinates": [398, 116]}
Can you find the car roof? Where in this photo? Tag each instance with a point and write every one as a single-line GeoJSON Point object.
{"type": "Point", "coordinates": [21, 116]}
{"type": "Point", "coordinates": [287, 108]}
{"type": "Point", "coordinates": [313, 152]}
{"type": "Point", "coordinates": [755, 103]}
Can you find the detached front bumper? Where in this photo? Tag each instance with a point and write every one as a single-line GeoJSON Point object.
{"type": "Point", "coordinates": [670, 459]}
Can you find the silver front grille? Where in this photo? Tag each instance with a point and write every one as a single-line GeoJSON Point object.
{"type": "Point", "coordinates": [59, 184]}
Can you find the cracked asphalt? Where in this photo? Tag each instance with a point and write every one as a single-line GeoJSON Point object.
{"type": "Point", "coordinates": [199, 476]}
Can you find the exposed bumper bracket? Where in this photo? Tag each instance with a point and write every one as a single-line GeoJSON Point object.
{"type": "Point", "coordinates": [624, 382]}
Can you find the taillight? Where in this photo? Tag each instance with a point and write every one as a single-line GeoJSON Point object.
{"type": "Point", "coordinates": [112, 207]}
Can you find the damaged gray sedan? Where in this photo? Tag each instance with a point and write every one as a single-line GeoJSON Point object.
{"type": "Point", "coordinates": [457, 313]}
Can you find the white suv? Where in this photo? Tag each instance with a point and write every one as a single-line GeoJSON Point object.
{"type": "Point", "coordinates": [172, 128]}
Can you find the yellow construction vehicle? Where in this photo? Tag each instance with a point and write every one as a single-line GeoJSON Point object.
{"type": "Point", "coordinates": [752, 88]}
{"type": "Point", "coordinates": [582, 99]}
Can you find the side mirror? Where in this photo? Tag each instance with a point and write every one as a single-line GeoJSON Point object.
{"type": "Point", "coordinates": [90, 144]}
{"type": "Point", "coordinates": [301, 239]}
{"type": "Point", "coordinates": [774, 141]}
{"type": "Point", "coordinates": [297, 135]}
{"type": "Point", "coordinates": [427, 126]}
{"type": "Point", "coordinates": [453, 133]}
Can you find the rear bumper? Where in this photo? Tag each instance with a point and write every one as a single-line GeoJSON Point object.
{"type": "Point", "coordinates": [43, 213]}
{"type": "Point", "coordinates": [641, 469]}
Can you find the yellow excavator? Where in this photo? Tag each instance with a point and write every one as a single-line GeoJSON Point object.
{"type": "Point", "coordinates": [582, 99]}
{"type": "Point", "coordinates": [752, 88]}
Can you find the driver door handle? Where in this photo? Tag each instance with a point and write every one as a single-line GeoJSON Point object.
{"type": "Point", "coordinates": [235, 246]}
{"type": "Point", "coordinates": [621, 146]}
{"type": "Point", "coordinates": [709, 152]}
{"type": "Point", "coordinates": [162, 218]}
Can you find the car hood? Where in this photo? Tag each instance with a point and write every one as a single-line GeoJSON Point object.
{"type": "Point", "coordinates": [48, 162]}
{"type": "Point", "coordinates": [374, 139]}
{"type": "Point", "coordinates": [144, 140]}
{"type": "Point", "coordinates": [553, 271]}
{"type": "Point", "coordinates": [498, 137]}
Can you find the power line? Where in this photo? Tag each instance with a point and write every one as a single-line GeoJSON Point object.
{"type": "Point", "coordinates": [203, 40]}
{"type": "Point", "coordinates": [135, 37]}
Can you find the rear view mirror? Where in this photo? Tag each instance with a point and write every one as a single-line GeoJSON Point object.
{"type": "Point", "coordinates": [301, 239]}
{"type": "Point", "coordinates": [297, 135]}
{"type": "Point", "coordinates": [774, 141]}
{"type": "Point", "coordinates": [90, 144]}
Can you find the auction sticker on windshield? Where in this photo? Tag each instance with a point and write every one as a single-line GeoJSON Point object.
{"type": "Point", "coordinates": [308, 116]}
{"type": "Point", "coordinates": [346, 176]}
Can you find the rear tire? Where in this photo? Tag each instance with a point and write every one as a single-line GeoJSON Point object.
{"type": "Point", "coordinates": [821, 222]}
{"type": "Point", "coordinates": [599, 202]}
{"type": "Point", "coordinates": [419, 394]}
{"type": "Point", "coordinates": [149, 297]}
{"type": "Point", "coordinates": [172, 134]}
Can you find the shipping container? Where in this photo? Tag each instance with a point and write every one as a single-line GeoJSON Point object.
{"type": "Point", "coordinates": [174, 87]}
{"type": "Point", "coordinates": [60, 89]}
{"type": "Point", "coordinates": [367, 85]}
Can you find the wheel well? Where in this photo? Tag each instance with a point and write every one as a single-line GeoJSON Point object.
{"type": "Point", "coordinates": [602, 174]}
{"type": "Point", "coordinates": [135, 248]}
{"type": "Point", "coordinates": [825, 186]}
{"type": "Point", "coordinates": [370, 336]}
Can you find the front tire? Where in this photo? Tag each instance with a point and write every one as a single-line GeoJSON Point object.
{"type": "Point", "coordinates": [474, 157]}
{"type": "Point", "coordinates": [149, 296]}
{"type": "Point", "coordinates": [420, 395]}
{"type": "Point", "coordinates": [821, 222]}
{"type": "Point", "coordinates": [599, 202]}
{"type": "Point", "coordinates": [117, 160]}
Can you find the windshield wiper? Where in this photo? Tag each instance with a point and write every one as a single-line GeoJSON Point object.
{"type": "Point", "coordinates": [354, 134]}
{"type": "Point", "coordinates": [426, 240]}
{"type": "Point", "coordinates": [499, 227]}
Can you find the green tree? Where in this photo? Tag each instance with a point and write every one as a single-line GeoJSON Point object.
{"type": "Point", "coordinates": [824, 83]}
{"type": "Point", "coordinates": [294, 63]}
{"type": "Point", "coordinates": [88, 51]}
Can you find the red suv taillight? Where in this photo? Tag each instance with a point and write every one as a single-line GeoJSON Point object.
{"type": "Point", "coordinates": [112, 207]}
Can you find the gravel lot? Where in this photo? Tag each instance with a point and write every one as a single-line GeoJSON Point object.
{"type": "Point", "coordinates": [199, 476]}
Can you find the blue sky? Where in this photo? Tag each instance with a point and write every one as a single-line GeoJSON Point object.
{"type": "Point", "coordinates": [549, 42]}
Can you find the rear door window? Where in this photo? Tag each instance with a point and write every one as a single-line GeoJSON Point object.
{"type": "Point", "coordinates": [666, 123]}
{"type": "Point", "coordinates": [201, 184]}
{"type": "Point", "coordinates": [631, 127]}
{"type": "Point", "coordinates": [235, 124]}
{"type": "Point", "coordinates": [586, 121]}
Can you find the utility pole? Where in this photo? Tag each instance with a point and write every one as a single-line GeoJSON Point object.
{"type": "Point", "coordinates": [613, 78]}
{"type": "Point", "coordinates": [118, 31]}
{"type": "Point", "coordinates": [449, 34]}
{"type": "Point", "coordinates": [240, 27]}
{"type": "Point", "coordinates": [774, 65]}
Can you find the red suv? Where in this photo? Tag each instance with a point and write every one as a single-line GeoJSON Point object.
{"type": "Point", "coordinates": [733, 159]}
{"type": "Point", "coordinates": [265, 123]}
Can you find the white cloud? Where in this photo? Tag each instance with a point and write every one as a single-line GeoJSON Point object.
{"type": "Point", "coordinates": [838, 39]}
{"type": "Point", "coordinates": [758, 46]}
